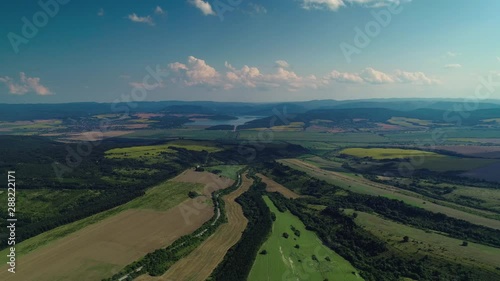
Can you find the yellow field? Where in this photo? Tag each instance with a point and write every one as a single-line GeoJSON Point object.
{"type": "Point", "coordinates": [273, 186]}
{"type": "Point", "coordinates": [103, 248]}
{"type": "Point", "coordinates": [200, 263]}
{"type": "Point", "coordinates": [386, 153]}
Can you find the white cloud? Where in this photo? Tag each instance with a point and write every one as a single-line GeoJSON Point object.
{"type": "Point", "coordinates": [147, 19]}
{"type": "Point", "coordinates": [25, 85]}
{"type": "Point", "coordinates": [257, 9]}
{"type": "Point", "coordinates": [196, 72]}
{"type": "Point", "coordinates": [415, 78]}
{"type": "Point", "coordinates": [203, 6]}
{"type": "Point", "coordinates": [453, 65]}
{"type": "Point", "coordinates": [334, 5]}
{"type": "Point", "coordinates": [373, 76]}
{"type": "Point", "coordinates": [452, 54]}
{"type": "Point", "coordinates": [498, 59]}
{"type": "Point", "coordinates": [282, 63]}
{"type": "Point", "coordinates": [344, 77]}
{"type": "Point", "coordinates": [100, 12]}
{"type": "Point", "coordinates": [159, 10]}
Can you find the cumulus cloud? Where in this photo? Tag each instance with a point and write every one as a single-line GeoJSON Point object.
{"type": "Point", "coordinates": [147, 19]}
{"type": "Point", "coordinates": [203, 6]}
{"type": "Point", "coordinates": [344, 77]}
{"type": "Point", "coordinates": [335, 5]}
{"type": "Point", "coordinates": [453, 65]}
{"type": "Point", "coordinates": [372, 76]}
{"type": "Point", "coordinates": [282, 63]}
{"type": "Point", "coordinates": [198, 72]}
{"type": "Point", "coordinates": [415, 78]}
{"type": "Point", "coordinates": [25, 85]}
{"type": "Point", "coordinates": [159, 10]}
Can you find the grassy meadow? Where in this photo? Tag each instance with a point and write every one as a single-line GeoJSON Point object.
{"type": "Point", "coordinates": [301, 257]}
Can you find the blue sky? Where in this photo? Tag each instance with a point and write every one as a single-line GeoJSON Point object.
{"type": "Point", "coordinates": [263, 51]}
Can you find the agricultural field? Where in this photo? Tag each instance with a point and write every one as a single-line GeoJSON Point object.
{"type": "Point", "coordinates": [409, 122]}
{"type": "Point", "coordinates": [272, 186]}
{"type": "Point", "coordinates": [319, 137]}
{"type": "Point", "coordinates": [228, 171]}
{"type": "Point", "coordinates": [31, 127]}
{"type": "Point", "coordinates": [481, 151]}
{"type": "Point", "coordinates": [451, 163]}
{"type": "Point", "coordinates": [151, 153]}
{"type": "Point", "coordinates": [211, 252]}
{"type": "Point", "coordinates": [138, 152]}
{"type": "Point", "coordinates": [101, 245]}
{"type": "Point", "coordinates": [42, 204]}
{"type": "Point", "coordinates": [298, 255]}
{"type": "Point", "coordinates": [194, 134]}
{"type": "Point", "coordinates": [361, 185]}
{"type": "Point", "coordinates": [386, 153]}
{"type": "Point", "coordinates": [292, 127]}
{"type": "Point", "coordinates": [428, 242]}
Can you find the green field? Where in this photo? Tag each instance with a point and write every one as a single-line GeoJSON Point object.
{"type": "Point", "coordinates": [429, 243]}
{"type": "Point", "coordinates": [182, 133]}
{"type": "Point", "coordinates": [151, 153]}
{"type": "Point", "coordinates": [316, 137]}
{"type": "Point", "coordinates": [228, 171]}
{"type": "Point", "coordinates": [439, 163]}
{"type": "Point", "coordinates": [311, 261]}
{"type": "Point", "coordinates": [161, 197]}
{"type": "Point", "coordinates": [40, 204]}
{"type": "Point", "coordinates": [138, 152]}
{"type": "Point", "coordinates": [386, 153]}
{"type": "Point", "coordinates": [359, 184]}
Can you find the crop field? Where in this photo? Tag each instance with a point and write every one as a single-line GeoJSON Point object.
{"type": "Point", "coordinates": [292, 127]}
{"type": "Point", "coordinates": [228, 171]}
{"type": "Point", "coordinates": [151, 153]}
{"type": "Point", "coordinates": [300, 256]}
{"type": "Point", "coordinates": [273, 186]}
{"type": "Point", "coordinates": [485, 172]}
{"type": "Point", "coordinates": [361, 185]}
{"type": "Point", "coordinates": [194, 134]}
{"type": "Point", "coordinates": [210, 181]}
{"type": "Point", "coordinates": [429, 243]}
{"type": "Point", "coordinates": [316, 136]}
{"type": "Point", "coordinates": [101, 245]}
{"type": "Point", "coordinates": [43, 203]}
{"type": "Point", "coordinates": [386, 153]}
{"type": "Point", "coordinates": [451, 163]}
{"type": "Point", "coordinates": [473, 150]}
{"type": "Point", "coordinates": [137, 152]}
{"type": "Point", "coordinates": [211, 252]}
{"type": "Point", "coordinates": [409, 122]}
{"type": "Point", "coordinates": [476, 140]}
